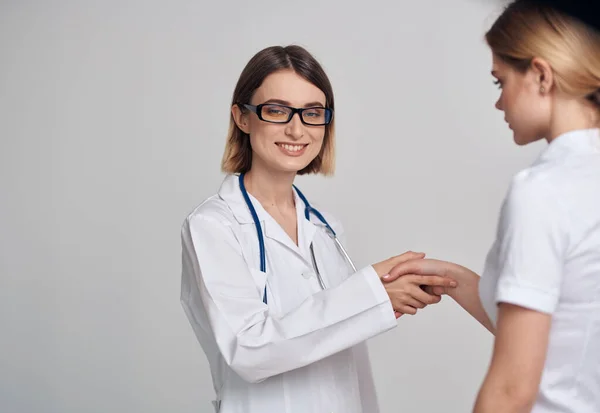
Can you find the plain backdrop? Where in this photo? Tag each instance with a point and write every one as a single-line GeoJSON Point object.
{"type": "Point", "coordinates": [113, 116]}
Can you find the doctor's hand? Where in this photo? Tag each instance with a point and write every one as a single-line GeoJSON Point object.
{"type": "Point", "coordinates": [426, 267]}
{"type": "Point", "coordinates": [406, 294]}
{"type": "Point", "coordinates": [384, 267]}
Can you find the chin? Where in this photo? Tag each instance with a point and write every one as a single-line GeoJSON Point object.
{"type": "Point", "coordinates": [291, 167]}
{"type": "Point", "coordinates": [296, 168]}
{"type": "Point", "coordinates": [294, 164]}
{"type": "Point", "coordinates": [523, 139]}
{"type": "Point", "coordinates": [519, 141]}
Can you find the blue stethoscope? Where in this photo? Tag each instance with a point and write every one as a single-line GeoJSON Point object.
{"type": "Point", "coordinates": [307, 211]}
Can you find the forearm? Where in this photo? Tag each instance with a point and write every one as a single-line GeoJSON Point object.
{"type": "Point", "coordinates": [467, 295]}
{"type": "Point", "coordinates": [261, 345]}
{"type": "Point", "coordinates": [498, 397]}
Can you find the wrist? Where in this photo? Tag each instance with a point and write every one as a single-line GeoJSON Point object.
{"type": "Point", "coordinates": [380, 270]}
{"type": "Point", "coordinates": [462, 275]}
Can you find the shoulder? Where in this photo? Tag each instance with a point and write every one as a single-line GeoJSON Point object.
{"type": "Point", "coordinates": [532, 188]}
{"type": "Point", "coordinates": [532, 202]}
{"type": "Point", "coordinates": [212, 212]}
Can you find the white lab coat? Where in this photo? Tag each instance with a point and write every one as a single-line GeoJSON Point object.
{"type": "Point", "coordinates": [304, 352]}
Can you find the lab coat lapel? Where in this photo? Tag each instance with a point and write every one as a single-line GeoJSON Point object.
{"type": "Point", "coordinates": [306, 229]}
{"type": "Point", "coordinates": [231, 193]}
{"type": "Point", "coordinates": [274, 231]}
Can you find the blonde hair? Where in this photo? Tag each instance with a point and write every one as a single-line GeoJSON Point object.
{"type": "Point", "coordinates": [527, 29]}
{"type": "Point", "coordinates": [237, 157]}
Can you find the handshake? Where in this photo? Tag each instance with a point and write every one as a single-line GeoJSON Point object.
{"type": "Point", "coordinates": [413, 282]}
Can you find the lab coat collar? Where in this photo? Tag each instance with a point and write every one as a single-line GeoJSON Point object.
{"type": "Point", "coordinates": [231, 193]}
{"type": "Point", "coordinates": [575, 142]}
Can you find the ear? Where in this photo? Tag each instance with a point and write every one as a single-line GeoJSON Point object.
{"type": "Point", "coordinates": [544, 76]}
{"type": "Point", "coordinates": [240, 118]}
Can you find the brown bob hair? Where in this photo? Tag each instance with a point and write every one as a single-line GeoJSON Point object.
{"type": "Point", "coordinates": [237, 157]}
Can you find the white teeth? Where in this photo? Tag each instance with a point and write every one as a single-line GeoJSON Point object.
{"type": "Point", "coordinates": [291, 148]}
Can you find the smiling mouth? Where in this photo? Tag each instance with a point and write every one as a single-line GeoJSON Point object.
{"type": "Point", "coordinates": [292, 147]}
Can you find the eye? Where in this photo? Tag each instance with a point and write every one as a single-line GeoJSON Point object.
{"type": "Point", "coordinates": [314, 113]}
{"type": "Point", "coordinates": [498, 83]}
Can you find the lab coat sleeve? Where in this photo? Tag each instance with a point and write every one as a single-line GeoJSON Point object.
{"type": "Point", "coordinates": [258, 345]}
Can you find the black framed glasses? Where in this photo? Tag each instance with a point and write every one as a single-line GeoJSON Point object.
{"type": "Point", "coordinates": [275, 113]}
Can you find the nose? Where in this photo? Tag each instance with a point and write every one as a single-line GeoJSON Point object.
{"type": "Point", "coordinates": [499, 104]}
{"type": "Point", "coordinates": [295, 127]}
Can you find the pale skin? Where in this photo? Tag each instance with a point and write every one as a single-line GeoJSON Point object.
{"type": "Point", "coordinates": [273, 171]}
{"type": "Point", "coordinates": [534, 110]}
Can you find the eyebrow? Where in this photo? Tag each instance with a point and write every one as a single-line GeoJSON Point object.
{"type": "Point", "coordinates": [286, 103]}
{"type": "Point", "coordinates": [494, 73]}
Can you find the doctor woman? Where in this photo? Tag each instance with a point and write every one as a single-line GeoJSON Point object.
{"type": "Point", "coordinates": [540, 289]}
{"type": "Point", "coordinates": [277, 305]}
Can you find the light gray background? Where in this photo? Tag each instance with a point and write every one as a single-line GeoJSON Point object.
{"type": "Point", "coordinates": [113, 118]}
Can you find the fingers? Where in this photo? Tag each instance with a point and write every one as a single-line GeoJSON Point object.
{"type": "Point", "coordinates": [433, 280]}
{"type": "Point", "coordinates": [404, 302]}
{"type": "Point", "coordinates": [406, 309]}
{"type": "Point", "coordinates": [415, 303]}
{"type": "Point", "coordinates": [390, 263]}
{"type": "Point", "coordinates": [421, 296]}
{"type": "Point", "coordinates": [407, 297]}
{"type": "Point", "coordinates": [422, 267]}
{"type": "Point", "coordinates": [410, 310]}
{"type": "Point", "coordinates": [383, 267]}
{"type": "Point", "coordinates": [434, 290]}
{"type": "Point", "coordinates": [413, 291]}
{"type": "Point", "coordinates": [437, 290]}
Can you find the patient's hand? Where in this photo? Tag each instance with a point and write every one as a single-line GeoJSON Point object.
{"type": "Point", "coordinates": [426, 267]}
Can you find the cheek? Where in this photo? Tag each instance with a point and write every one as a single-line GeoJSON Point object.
{"type": "Point", "coordinates": [510, 97]}
{"type": "Point", "coordinates": [528, 108]}
{"type": "Point", "coordinates": [262, 134]}
{"type": "Point", "coordinates": [516, 102]}
{"type": "Point", "coordinates": [528, 118]}
{"type": "Point", "coordinates": [317, 144]}
{"type": "Point", "coordinates": [317, 137]}
{"type": "Point", "coordinates": [258, 127]}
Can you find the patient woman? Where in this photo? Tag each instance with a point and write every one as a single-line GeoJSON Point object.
{"type": "Point", "coordinates": [540, 289]}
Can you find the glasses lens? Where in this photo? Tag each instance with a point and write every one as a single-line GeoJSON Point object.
{"type": "Point", "coordinates": [275, 113]}
{"type": "Point", "coordinates": [316, 116]}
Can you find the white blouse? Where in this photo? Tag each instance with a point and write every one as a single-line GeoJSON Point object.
{"type": "Point", "coordinates": [546, 257]}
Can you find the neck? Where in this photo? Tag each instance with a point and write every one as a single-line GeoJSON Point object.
{"type": "Point", "coordinates": [271, 188]}
{"type": "Point", "coordinates": [571, 115]}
